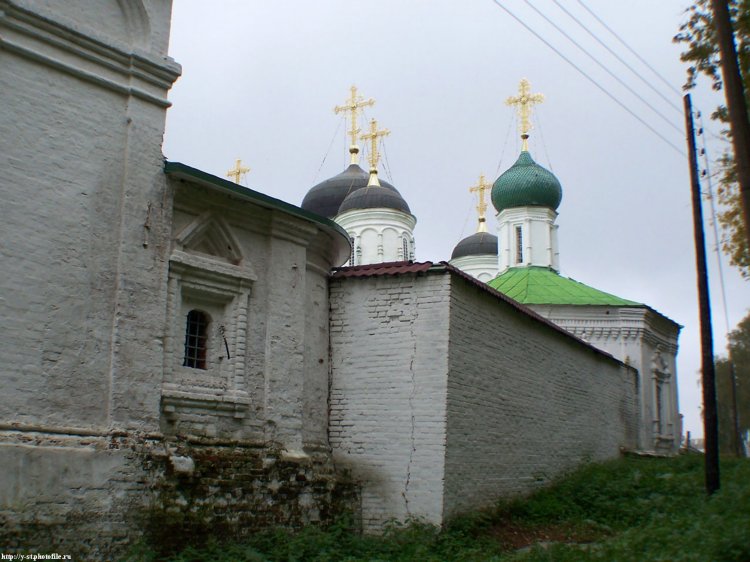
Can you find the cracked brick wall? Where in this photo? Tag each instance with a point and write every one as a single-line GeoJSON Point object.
{"type": "Point", "coordinates": [389, 357]}
{"type": "Point", "coordinates": [445, 398]}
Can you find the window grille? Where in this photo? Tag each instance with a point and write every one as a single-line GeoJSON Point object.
{"type": "Point", "coordinates": [351, 255]}
{"type": "Point", "coordinates": [196, 331]}
{"type": "Point", "coordinates": [519, 245]}
{"type": "Point", "coordinates": [405, 246]}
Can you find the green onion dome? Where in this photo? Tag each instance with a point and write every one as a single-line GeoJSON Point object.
{"type": "Point", "coordinates": [526, 184]}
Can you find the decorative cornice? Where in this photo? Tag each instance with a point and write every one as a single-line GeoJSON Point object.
{"type": "Point", "coordinates": [292, 229]}
{"type": "Point", "coordinates": [181, 261]}
{"type": "Point", "coordinates": [52, 44]}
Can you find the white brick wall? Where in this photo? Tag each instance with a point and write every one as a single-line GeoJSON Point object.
{"type": "Point", "coordinates": [445, 398]}
{"type": "Point", "coordinates": [632, 334]}
{"type": "Point", "coordinates": [525, 402]}
{"type": "Point", "coordinates": [389, 357]}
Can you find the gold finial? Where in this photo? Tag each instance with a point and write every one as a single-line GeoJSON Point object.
{"type": "Point", "coordinates": [373, 137]}
{"type": "Point", "coordinates": [480, 189]}
{"type": "Point", "coordinates": [238, 171]}
{"type": "Point", "coordinates": [524, 101]}
{"type": "Point", "coordinates": [353, 104]}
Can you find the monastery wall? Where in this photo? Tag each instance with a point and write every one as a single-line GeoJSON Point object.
{"type": "Point", "coordinates": [645, 340]}
{"type": "Point", "coordinates": [445, 398]}
{"type": "Point", "coordinates": [545, 402]}
{"type": "Point", "coordinates": [389, 358]}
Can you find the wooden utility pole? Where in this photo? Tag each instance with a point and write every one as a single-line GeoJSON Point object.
{"type": "Point", "coordinates": [734, 91]}
{"type": "Point", "coordinates": [708, 378]}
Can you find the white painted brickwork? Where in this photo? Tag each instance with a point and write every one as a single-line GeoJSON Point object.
{"type": "Point", "coordinates": [642, 338]}
{"type": "Point", "coordinates": [525, 402]}
{"type": "Point", "coordinates": [102, 256]}
{"type": "Point", "coordinates": [445, 398]}
{"type": "Point", "coordinates": [389, 359]}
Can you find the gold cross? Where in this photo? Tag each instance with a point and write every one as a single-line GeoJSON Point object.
{"type": "Point", "coordinates": [373, 137]}
{"type": "Point", "coordinates": [480, 189]}
{"type": "Point", "coordinates": [524, 101]}
{"type": "Point", "coordinates": [353, 105]}
{"type": "Point", "coordinates": [238, 171]}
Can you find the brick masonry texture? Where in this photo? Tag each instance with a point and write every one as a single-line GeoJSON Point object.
{"type": "Point", "coordinates": [445, 398]}
{"type": "Point", "coordinates": [525, 402]}
{"type": "Point", "coordinates": [389, 352]}
{"type": "Point", "coordinates": [93, 497]}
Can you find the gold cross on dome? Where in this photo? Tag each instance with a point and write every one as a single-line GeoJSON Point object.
{"type": "Point", "coordinates": [523, 102]}
{"type": "Point", "coordinates": [353, 105]}
{"type": "Point", "coordinates": [373, 137]}
{"type": "Point", "coordinates": [238, 171]}
{"type": "Point", "coordinates": [480, 189]}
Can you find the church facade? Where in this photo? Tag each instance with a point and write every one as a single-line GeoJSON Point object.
{"type": "Point", "coordinates": [185, 353]}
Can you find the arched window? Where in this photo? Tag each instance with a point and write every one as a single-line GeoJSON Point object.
{"type": "Point", "coordinates": [405, 247]}
{"type": "Point", "coordinates": [351, 255]}
{"type": "Point", "coordinates": [196, 335]}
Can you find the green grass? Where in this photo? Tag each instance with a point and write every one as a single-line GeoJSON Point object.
{"type": "Point", "coordinates": [639, 509]}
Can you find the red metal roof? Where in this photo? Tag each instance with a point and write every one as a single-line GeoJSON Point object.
{"type": "Point", "coordinates": [387, 268]}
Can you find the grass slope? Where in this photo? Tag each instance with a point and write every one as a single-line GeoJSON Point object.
{"type": "Point", "coordinates": [639, 509]}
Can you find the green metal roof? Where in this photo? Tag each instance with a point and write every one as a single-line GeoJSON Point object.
{"type": "Point", "coordinates": [526, 184]}
{"type": "Point", "coordinates": [541, 285]}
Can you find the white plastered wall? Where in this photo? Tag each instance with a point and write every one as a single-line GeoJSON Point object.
{"type": "Point", "coordinates": [538, 233]}
{"type": "Point", "coordinates": [379, 234]}
{"type": "Point", "coordinates": [482, 267]}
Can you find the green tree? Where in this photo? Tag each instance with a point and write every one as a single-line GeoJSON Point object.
{"type": "Point", "coordinates": [739, 353]}
{"type": "Point", "coordinates": [698, 36]}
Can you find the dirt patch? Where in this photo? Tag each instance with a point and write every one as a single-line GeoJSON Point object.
{"type": "Point", "coordinates": [515, 536]}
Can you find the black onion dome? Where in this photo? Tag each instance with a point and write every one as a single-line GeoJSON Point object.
{"type": "Point", "coordinates": [326, 197]}
{"type": "Point", "coordinates": [479, 244]}
{"type": "Point", "coordinates": [375, 197]}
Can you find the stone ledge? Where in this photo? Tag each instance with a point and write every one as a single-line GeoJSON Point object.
{"type": "Point", "coordinates": [231, 403]}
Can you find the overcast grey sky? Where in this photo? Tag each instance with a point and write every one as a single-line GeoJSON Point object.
{"type": "Point", "coordinates": [260, 80]}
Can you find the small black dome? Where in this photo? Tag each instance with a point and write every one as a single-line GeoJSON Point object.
{"type": "Point", "coordinates": [374, 197]}
{"type": "Point", "coordinates": [326, 197]}
{"type": "Point", "coordinates": [481, 243]}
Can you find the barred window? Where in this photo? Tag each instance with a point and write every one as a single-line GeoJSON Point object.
{"type": "Point", "coordinates": [196, 334]}
{"type": "Point", "coordinates": [519, 244]}
{"type": "Point", "coordinates": [351, 255]}
{"type": "Point", "coordinates": [405, 247]}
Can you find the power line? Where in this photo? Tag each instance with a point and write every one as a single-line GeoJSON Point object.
{"type": "Point", "coordinates": [333, 139]}
{"type": "Point", "coordinates": [505, 145]}
{"type": "Point", "coordinates": [637, 74]}
{"type": "Point", "coordinates": [707, 173]}
{"type": "Point", "coordinates": [594, 82]}
{"type": "Point", "coordinates": [541, 135]}
{"type": "Point", "coordinates": [629, 48]}
{"type": "Point", "coordinates": [603, 67]}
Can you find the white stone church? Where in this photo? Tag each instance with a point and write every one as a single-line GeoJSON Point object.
{"type": "Point", "coordinates": [176, 343]}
